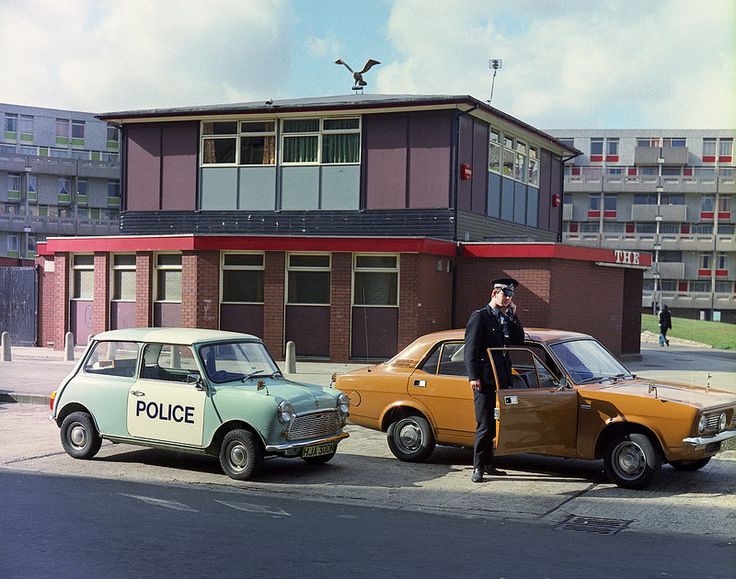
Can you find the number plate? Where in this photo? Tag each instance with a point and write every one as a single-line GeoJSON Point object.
{"type": "Point", "coordinates": [729, 444]}
{"type": "Point", "coordinates": [318, 450]}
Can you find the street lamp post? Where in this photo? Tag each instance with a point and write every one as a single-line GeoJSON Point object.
{"type": "Point", "coordinates": [26, 208]}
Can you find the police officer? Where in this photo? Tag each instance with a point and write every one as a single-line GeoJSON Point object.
{"type": "Point", "coordinates": [492, 326]}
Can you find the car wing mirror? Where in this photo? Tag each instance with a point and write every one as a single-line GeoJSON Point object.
{"type": "Point", "coordinates": [562, 384]}
{"type": "Point", "coordinates": [196, 379]}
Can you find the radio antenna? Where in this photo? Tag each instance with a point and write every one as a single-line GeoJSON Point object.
{"type": "Point", "coordinates": [495, 65]}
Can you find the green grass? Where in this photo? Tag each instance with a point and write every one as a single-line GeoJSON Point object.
{"type": "Point", "coordinates": [717, 334]}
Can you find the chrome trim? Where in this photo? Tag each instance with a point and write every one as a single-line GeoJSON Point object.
{"type": "Point", "coordinates": [698, 441]}
{"type": "Point", "coordinates": [303, 443]}
{"type": "Point", "coordinates": [586, 406]}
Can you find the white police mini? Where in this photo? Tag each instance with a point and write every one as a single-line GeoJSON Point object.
{"type": "Point", "coordinates": [197, 391]}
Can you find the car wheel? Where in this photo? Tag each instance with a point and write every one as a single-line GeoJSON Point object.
{"type": "Point", "coordinates": [79, 436]}
{"type": "Point", "coordinates": [411, 438]}
{"type": "Point", "coordinates": [241, 455]}
{"type": "Point", "coordinates": [631, 460]}
{"type": "Point", "coordinates": [321, 459]}
{"type": "Point", "coordinates": [690, 465]}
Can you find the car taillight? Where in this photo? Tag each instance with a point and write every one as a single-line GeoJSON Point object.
{"type": "Point", "coordinates": [51, 400]}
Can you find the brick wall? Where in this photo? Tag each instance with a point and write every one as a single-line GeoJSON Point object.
{"type": "Point", "coordinates": [200, 289]}
{"type": "Point", "coordinates": [46, 302]}
{"type": "Point", "coordinates": [562, 294]}
{"type": "Point", "coordinates": [434, 294]}
{"type": "Point", "coordinates": [101, 304]}
{"type": "Point", "coordinates": [409, 310]}
{"type": "Point", "coordinates": [60, 299]}
{"type": "Point", "coordinates": [273, 302]}
{"type": "Point", "coordinates": [143, 289]}
{"type": "Point", "coordinates": [340, 300]}
{"type": "Point", "coordinates": [633, 287]}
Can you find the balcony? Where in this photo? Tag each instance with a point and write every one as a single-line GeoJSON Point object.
{"type": "Point", "coordinates": [60, 166]}
{"type": "Point", "coordinates": [671, 213]}
{"type": "Point", "coordinates": [567, 212]}
{"type": "Point", "coordinates": [668, 270]}
{"type": "Point", "coordinates": [651, 155]}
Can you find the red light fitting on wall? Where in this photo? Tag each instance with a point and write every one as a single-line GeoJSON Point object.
{"type": "Point", "coordinates": [555, 200]}
{"type": "Point", "coordinates": [466, 172]}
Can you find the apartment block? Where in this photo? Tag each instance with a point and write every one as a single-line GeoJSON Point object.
{"type": "Point", "coordinates": [59, 176]}
{"type": "Point", "coordinates": [668, 192]}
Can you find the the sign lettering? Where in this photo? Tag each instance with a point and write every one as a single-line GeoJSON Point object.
{"type": "Point", "coordinates": [626, 257]}
{"type": "Point", "coordinates": [161, 411]}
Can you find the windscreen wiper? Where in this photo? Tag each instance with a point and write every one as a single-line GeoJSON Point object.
{"type": "Point", "coordinates": [260, 374]}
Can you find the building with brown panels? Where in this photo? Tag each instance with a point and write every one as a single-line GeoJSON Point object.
{"type": "Point", "coordinates": [349, 225]}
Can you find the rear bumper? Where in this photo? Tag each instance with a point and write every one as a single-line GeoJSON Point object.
{"type": "Point", "coordinates": [698, 442]}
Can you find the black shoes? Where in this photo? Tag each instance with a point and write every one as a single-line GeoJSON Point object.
{"type": "Point", "coordinates": [667, 341]}
{"type": "Point", "coordinates": [493, 471]}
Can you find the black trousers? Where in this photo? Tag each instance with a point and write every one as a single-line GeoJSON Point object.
{"type": "Point", "coordinates": [485, 426]}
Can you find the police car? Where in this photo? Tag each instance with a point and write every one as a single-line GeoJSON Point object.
{"type": "Point", "coordinates": [197, 391]}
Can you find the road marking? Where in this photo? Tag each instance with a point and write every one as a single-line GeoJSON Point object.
{"type": "Point", "coordinates": [176, 505]}
{"type": "Point", "coordinates": [253, 508]}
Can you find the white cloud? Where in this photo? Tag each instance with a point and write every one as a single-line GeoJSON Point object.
{"type": "Point", "coordinates": [326, 46]}
{"type": "Point", "coordinates": [573, 63]}
{"type": "Point", "coordinates": [103, 55]}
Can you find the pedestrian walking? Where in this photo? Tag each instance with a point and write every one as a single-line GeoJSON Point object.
{"type": "Point", "coordinates": [665, 324]}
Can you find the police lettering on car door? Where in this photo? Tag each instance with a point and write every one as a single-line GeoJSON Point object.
{"type": "Point", "coordinates": [162, 403]}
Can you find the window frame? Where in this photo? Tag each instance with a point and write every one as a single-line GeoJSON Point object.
{"type": "Point", "coordinates": [158, 268]}
{"type": "Point", "coordinates": [355, 269]}
{"type": "Point", "coordinates": [299, 268]}
{"type": "Point", "coordinates": [224, 268]}
{"type": "Point", "coordinates": [113, 278]}
{"type": "Point", "coordinates": [81, 267]}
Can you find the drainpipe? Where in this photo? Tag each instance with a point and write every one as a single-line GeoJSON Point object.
{"type": "Point", "coordinates": [453, 198]}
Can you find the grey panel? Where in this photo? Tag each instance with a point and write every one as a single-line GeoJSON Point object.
{"type": "Point", "coordinates": [218, 188]}
{"type": "Point", "coordinates": [532, 206]}
{"type": "Point", "coordinates": [300, 188]}
{"type": "Point", "coordinates": [494, 194]}
{"type": "Point", "coordinates": [340, 187]}
{"type": "Point", "coordinates": [480, 228]}
{"type": "Point", "coordinates": [507, 199]}
{"type": "Point", "coordinates": [257, 188]}
{"type": "Point", "coordinates": [519, 202]}
{"type": "Point", "coordinates": [19, 304]}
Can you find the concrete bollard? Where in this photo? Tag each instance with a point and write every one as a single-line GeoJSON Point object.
{"type": "Point", "coordinates": [290, 358]}
{"type": "Point", "coordinates": [5, 348]}
{"type": "Point", "coordinates": [69, 347]}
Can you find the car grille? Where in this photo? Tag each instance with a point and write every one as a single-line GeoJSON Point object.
{"type": "Point", "coordinates": [711, 421]}
{"type": "Point", "coordinates": [313, 425]}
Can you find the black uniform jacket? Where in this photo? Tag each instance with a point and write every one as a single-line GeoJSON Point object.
{"type": "Point", "coordinates": [484, 331]}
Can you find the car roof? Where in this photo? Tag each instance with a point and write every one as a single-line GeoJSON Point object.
{"type": "Point", "coordinates": [185, 336]}
{"type": "Point", "coordinates": [414, 352]}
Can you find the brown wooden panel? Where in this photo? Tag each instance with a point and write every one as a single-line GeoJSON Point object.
{"type": "Point", "coordinates": [309, 328]}
{"type": "Point", "coordinates": [375, 333]}
{"type": "Point", "coordinates": [166, 315]}
{"type": "Point", "coordinates": [80, 320]}
{"type": "Point", "coordinates": [246, 318]}
{"type": "Point", "coordinates": [122, 315]}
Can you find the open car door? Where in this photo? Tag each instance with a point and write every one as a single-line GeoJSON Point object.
{"type": "Point", "coordinates": [537, 414]}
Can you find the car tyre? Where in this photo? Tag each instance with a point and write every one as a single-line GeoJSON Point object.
{"type": "Point", "coordinates": [79, 436]}
{"type": "Point", "coordinates": [411, 439]}
{"type": "Point", "coordinates": [631, 460]}
{"type": "Point", "coordinates": [690, 465]}
{"type": "Point", "coordinates": [321, 459]}
{"type": "Point", "coordinates": [241, 455]}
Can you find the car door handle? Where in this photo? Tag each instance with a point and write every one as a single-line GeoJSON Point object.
{"type": "Point", "coordinates": [138, 393]}
{"type": "Point", "coordinates": [420, 383]}
{"type": "Point", "coordinates": [511, 399]}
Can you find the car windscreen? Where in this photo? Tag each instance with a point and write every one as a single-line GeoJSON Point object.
{"type": "Point", "coordinates": [588, 361]}
{"type": "Point", "coordinates": [241, 361]}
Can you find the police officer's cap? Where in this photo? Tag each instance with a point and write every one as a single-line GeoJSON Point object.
{"type": "Point", "coordinates": [507, 284]}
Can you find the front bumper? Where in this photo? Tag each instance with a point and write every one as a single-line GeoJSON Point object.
{"type": "Point", "coordinates": [299, 444]}
{"type": "Point", "coordinates": [699, 442]}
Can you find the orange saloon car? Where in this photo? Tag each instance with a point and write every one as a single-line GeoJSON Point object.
{"type": "Point", "coordinates": [570, 398]}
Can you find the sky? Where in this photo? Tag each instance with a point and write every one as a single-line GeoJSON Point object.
{"type": "Point", "coordinates": [565, 63]}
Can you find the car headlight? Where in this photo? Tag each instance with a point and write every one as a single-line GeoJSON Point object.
{"type": "Point", "coordinates": [722, 422]}
{"type": "Point", "coordinates": [702, 423]}
{"type": "Point", "coordinates": [285, 411]}
{"type": "Point", "coordinates": [343, 404]}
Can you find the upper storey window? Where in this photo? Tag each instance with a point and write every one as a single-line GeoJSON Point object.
{"type": "Point", "coordinates": [303, 142]}
{"type": "Point", "coordinates": [513, 158]}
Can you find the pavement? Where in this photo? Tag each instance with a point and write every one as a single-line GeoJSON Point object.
{"type": "Point", "coordinates": [542, 490]}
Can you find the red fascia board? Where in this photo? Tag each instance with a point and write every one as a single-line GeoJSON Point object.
{"type": "Point", "coordinates": [120, 244]}
{"type": "Point", "coordinates": [548, 251]}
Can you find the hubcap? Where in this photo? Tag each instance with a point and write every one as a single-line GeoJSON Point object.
{"type": "Point", "coordinates": [238, 455]}
{"type": "Point", "coordinates": [78, 435]}
{"type": "Point", "coordinates": [629, 460]}
{"type": "Point", "coordinates": [410, 436]}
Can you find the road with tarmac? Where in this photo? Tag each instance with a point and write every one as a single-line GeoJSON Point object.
{"type": "Point", "coordinates": [138, 511]}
